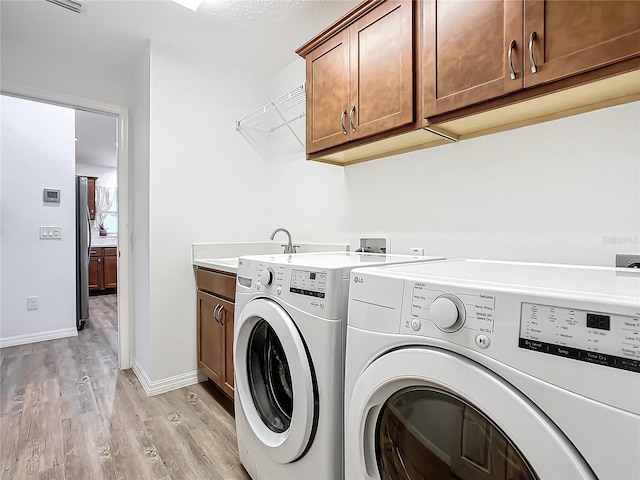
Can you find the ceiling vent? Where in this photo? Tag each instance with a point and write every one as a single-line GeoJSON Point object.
{"type": "Point", "coordinates": [73, 5]}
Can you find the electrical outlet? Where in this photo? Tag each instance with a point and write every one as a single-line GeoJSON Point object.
{"type": "Point", "coordinates": [32, 303]}
{"type": "Point", "coordinates": [417, 251]}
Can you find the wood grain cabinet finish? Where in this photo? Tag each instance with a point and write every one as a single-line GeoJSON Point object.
{"type": "Point", "coordinates": [110, 266]}
{"type": "Point", "coordinates": [360, 80]}
{"type": "Point", "coordinates": [569, 37]}
{"type": "Point", "coordinates": [96, 276]}
{"type": "Point", "coordinates": [103, 269]}
{"type": "Point", "coordinates": [215, 327]}
{"type": "Point", "coordinates": [91, 196]}
{"type": "Point", "coordinates": [465, 52]}
{"type": "Point", "coordinates": [328, 93]}
{"type": "Point", "coordinates": [474, 51]}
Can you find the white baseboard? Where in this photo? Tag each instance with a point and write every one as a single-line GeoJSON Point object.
{"type": "Point", "coordinates": [38, 337]}
{"type": "Point", "coordinates": [164, 385]}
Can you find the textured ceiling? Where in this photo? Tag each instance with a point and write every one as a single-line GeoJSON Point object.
{"type": "Point", "coordinates": [257, 35]}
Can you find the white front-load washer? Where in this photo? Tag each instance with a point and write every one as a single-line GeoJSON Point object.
{"type": "Point", "coordinates": [493, 370]}
{"type": "Point", "coordinates": [289, 335]}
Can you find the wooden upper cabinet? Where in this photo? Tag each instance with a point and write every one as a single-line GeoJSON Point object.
{"type": "Point", "coordinates": [360, 75]}
{"type": "Point", "coordinates": [328, 93]}
{"type": "Point", "coordinates": [574, 36]}
{"type": "Point", "coordinates": [381, 49]}
{"type": "Point", "coordinates": [91, 196]}
{"type": "Point", "coordinates": [466, 47]}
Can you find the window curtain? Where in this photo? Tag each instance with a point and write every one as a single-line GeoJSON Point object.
{"type": "Point", "coordinates": [105, 197]}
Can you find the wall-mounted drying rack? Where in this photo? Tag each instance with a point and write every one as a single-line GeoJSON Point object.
{"type": "Point", "coordinates": [279, 113]}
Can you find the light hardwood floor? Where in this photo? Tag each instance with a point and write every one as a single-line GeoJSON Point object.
{"type": "Point", "coordinates": [67, 412]}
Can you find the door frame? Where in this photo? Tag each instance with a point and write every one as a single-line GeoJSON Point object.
{"type": "Point", "coordinates": [124, 292]}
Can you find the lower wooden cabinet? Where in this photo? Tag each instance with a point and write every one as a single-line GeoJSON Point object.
{"type": "Point", "coordinates": [103, 269]}
{"type": "Point", "coordinates": [215, 327]}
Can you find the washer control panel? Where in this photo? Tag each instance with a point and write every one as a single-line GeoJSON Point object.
{"type": "Point", "coordinates": [594, 337]}
{"type": "Point", "coordinates": [450, 312]}
{"type": "Point", "coordinates": [307, 282]}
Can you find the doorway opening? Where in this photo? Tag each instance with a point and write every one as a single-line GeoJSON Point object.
{"type": "Point", "coordinates": [114, 212]}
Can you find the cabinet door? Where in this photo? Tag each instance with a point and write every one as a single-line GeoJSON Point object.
{"type": "Point", "coordinates": [91, 196]}
{"type": "Point", "coordinates": [110, 267]}
{"type": "Point", "coordinates": [95, 269]}
{"type": "Point", "coordinates": [381, 50]}
{"type": "Point", "coordinates": [465, 52]}
{"type": "Point", "coordinates": [574, 36]}
{"type": "Point", "coordinates": [328, 93]}
{"type": "Point", "coordinates": [210, 339]}
{"type": "Point", "coordinates": [227, 313]}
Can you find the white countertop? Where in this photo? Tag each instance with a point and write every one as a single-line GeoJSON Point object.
{"type": "Point", "coordinates": [224, 256]}
{"type": "Point", "coordinates": [108, 241]}
{"type": "Point", "coordinates": [229, 265]}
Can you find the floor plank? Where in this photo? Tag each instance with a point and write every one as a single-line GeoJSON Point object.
{"type": "Point", "coordinates": [67, 412]}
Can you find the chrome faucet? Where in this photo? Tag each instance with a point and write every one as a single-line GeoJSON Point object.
{"type": "Point", "coordinates": [289, 247]}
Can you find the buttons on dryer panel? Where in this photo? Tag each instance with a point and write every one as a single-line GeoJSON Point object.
{"type": "Point", "coordinates": [448, 313]}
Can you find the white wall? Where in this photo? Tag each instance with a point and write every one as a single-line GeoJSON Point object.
{"type": "Point", "coordinates": [107, 176]}
{"type": "Point", "coordinates": [208, 184]}
{"type": "Point", "coordinates": [139, 197]}
{"type": "Point", "coordinates": [54, 69]}
{"type": "Point", "coordinates": [38, 151]}
{"type": "Point", "coordinates": [566, 191]}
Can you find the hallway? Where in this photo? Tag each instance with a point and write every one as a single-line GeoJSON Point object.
{"type": "Point", "coordinates": [67, 412]}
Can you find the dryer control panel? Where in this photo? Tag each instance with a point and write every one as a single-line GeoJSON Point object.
{"type": "Point", "coordinates": [594, 337]}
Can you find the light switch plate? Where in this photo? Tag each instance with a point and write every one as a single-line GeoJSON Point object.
{"type": "Point", "coordinates": [51, 233]}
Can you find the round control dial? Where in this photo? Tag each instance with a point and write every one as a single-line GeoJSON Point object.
{"type": "Point", "coordinates": [266, 277]}
{"type": "Point", "coordinates": [448, 313]}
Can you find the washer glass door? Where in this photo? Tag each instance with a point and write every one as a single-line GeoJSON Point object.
{"type": "Point", "coordinates": [426, 432]}
{"type": "Point", "coordinates": [275, 380]}
{"type": "Point", "coordinates": [423, 412]}
{"type": "Point", "coordinates": [269, 378]}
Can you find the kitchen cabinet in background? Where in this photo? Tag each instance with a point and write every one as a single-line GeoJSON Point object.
{"type": "Point", "coordinates": [91, 196]}
{"type": "Point", "coordinates": [215, 310]}
{"type": "Point", "coordinates": [360, 80]}
{"type": "Point", "coordinates": [103, 269]}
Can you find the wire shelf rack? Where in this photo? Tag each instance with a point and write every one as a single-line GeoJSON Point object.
{"type": "Point", "coordinates": [278, 113]}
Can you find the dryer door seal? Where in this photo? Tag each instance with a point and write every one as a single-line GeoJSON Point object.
{"type": "Point", "coordinates": [274, 379]}
{"type": "Point", "coordinates": [532, 434]}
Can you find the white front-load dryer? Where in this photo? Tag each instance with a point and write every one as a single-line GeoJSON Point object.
{"type": "Point", "coordinates": [289, 335]}
{"type": "Point", "coordinates": [493, 370]}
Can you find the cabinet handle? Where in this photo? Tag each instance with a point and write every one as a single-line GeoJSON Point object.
{"type": "Point", "coordinates": [99, 260]}
{"type": "Point", "coordinates": [215, 313]}
{"type": "Point", "coordinates": [532, 61]}
{"type": "Point", "coordinates": [344, 114]}
{"type": "Point", "coordinates": [353, 110]}
{"type": "Point", "coordinates": [512, 73]}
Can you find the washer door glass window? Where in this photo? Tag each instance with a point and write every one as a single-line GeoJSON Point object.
{"type": "Point", "coordinates": [425, 432]}
{"type": "Point", "coordinates": [269, 378]}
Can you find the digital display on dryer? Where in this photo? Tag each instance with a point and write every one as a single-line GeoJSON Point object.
{"type": "Point", "coordinates": [312, 284]}
{"type": "Point", "coordinates": [609, 340]}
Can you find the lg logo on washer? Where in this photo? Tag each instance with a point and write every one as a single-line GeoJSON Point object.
{"type": "Point", "coordinates": [358, 280]}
